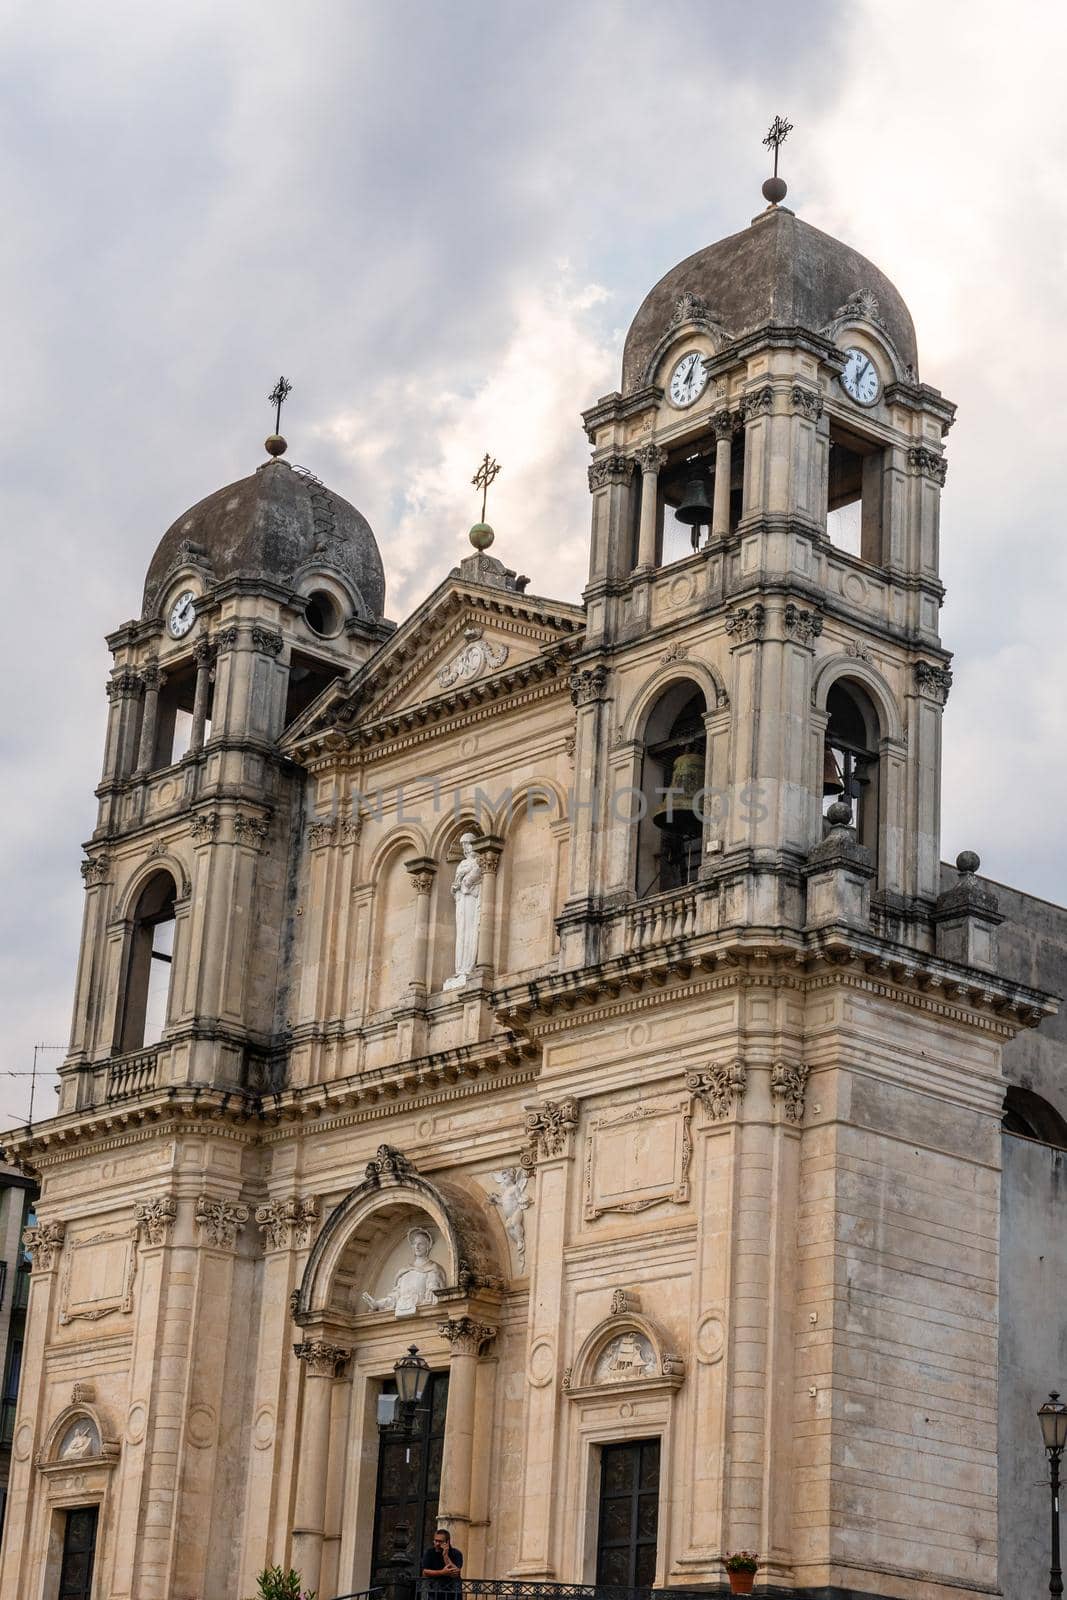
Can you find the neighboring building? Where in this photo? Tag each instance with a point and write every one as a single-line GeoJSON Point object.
{"type": "Point", "coordinates": [408, 1013]}
{"type": "Point", "coordinates": [17, 1196]}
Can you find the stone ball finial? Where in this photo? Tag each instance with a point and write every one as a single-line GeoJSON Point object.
{"type": "Point", "coordinates": [839, 815]}
{"type": "Point", "coordinates": [775, 190]}
{"type": "Point", "coordinates": [481, 536]}
{"type": "Point", "coordinates": [275, 445]}
{"type": "Point", "coordinates": [968, 861]}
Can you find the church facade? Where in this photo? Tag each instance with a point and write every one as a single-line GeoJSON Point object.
{"type": "Point", "coordinates": [572, 992]}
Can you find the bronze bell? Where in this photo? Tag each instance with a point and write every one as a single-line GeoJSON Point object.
{"type": "Point", "coordinates": [677, 813]}
{"type": "Point", "coordinates": [695, 509]}
{"type": "Point", "coordinates": [832, 781]}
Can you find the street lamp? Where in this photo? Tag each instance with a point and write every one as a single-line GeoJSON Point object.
{"type": "Point", "coordinates": [1053, 1419]}
{"type": "Point", "coordinates": [397, 1412]}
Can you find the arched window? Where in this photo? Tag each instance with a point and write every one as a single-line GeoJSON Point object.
{"type": "Point", "coordinates": [151, 959]}
{"type": "Point", "coordinates": [670, 828]}
{"type": "Point", "coordinates": [850, 759]}
{"type": "Point", "coordinates": [1028, 1115]}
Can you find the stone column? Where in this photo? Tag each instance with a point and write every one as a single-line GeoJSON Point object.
{"type": "Point", "coordinates": [123, 692]}
{"type": "Point", "coordinates": [488, 851]}
{"type": "Point", "coordinates": [467, 1338]}
{"type": "Point", "coordinates": [723, 425]}
{"type": "Point", "coordinates": [153, 678]}
{"type": "Point", "coordinates": [423, 870]}
{"type": "Point", "coordinates": [204, 652]}
{"type": "Point", "coordinates": [323, 1362]}
{"type": "Point", "coordinates": [650, 458]}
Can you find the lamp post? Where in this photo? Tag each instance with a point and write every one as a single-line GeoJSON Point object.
{"type": "Point", "coordinates": [397, 1413]}
{"type": "Point", "coordinates": [1053, 1419]}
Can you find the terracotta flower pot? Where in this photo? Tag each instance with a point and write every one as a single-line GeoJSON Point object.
{"type": "Point", "coordinates": [741, 1582]}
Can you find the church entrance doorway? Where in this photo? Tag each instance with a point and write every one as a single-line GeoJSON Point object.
{"type": "Point", "coordinates": [79, 1554]}
{"type": "Point", "coordinates": [409, 1478]}
{"type": "Point", "coordinates": [629, 1514]}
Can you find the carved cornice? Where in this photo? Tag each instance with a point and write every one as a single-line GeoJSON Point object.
{"type": "Point", "coordinates": [788, 1080]}
{"type": "Point", "coordinates": [933, 682]}
{"type": "Point", "coordinates": [466, 1336]}
{"type": "Point", "coordinates": [929, 463]}
{"type": "Point", "coordinates": [155, 1217]}
{"type": "Point", "coordinates": [650, 458]}
{"type": "Point", "coordinates": [719, 1088]}
{"type": "Point", "coordinates": [747, 622]}
{"type": "Point", "coordinates": [805, 626]}
{"type": "Point", "coordinates": [323, 1360]}
{"type": "Point", "coordinates": [43, 1242]}
{"type": "Point", "coordinates": [220, 1220]}
{"type": "Point", "coordinates": [588, 684]}
{"type": "Point", "coordinates": [550, 1129]}
{"type": "Point", "coordinates": [287, 1224]}
{"type": "Point", "coordinates": [615, 468]}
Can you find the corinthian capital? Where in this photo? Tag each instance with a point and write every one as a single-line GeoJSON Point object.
{"type": "Point", "coordinates": [650, 458]}
{"type": "Point", "coordinates": [323, 1360]}
{"type": "Point", "coordinates": [466, 1336]}
{"type": "Point", "coordinates": [44, 1242]}
{"type": "Point", "coordinates": [549, 1130]}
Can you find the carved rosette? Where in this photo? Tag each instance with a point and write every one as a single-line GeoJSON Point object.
{"type": "Point", "coordinates": [323, 1360]}
{"type": "Point", "coordinates": [266, 641]}
{"type": "Point", "coordinates": [588, 685]}
{"type": "Point", "coordinates": [549, 1131]}
{"type": "Point", "coordinates": [719, 1088]}
{"type": "Point", "coordinates": [286, 1224]}
{"type": "Point", "coordinates": [466, 1336]}
{"type": "Point", "coordinates": [94, 870]}
{"type": "Point", "coordinates": [807, 402]}
{"type": "Point", "coordinates": [388, 1163]}
{"type": "Point", "coordinates": [43, 1242]}
{"type": "Point", "coordinates": [125, 685]}
{"type": "Point", "coordinates": [747, 622]}
{"type": "Point", "coordinates": [650, 458]}
{"type": "Point", "coordinates": [755, 404]}
{"type": "Point", "coordinates": [805, 626]}
{"type": "Point", "coordinates": [322, 832]}
{"type": "Point", "coordinates": [220, 1220]}
{"type": "Point", "coordinates": [155, 1217]}
{"type": "Point", "coordinates": [204, 827]}
{"type": "Point", "coordinates": [250, 831]}
{"type": "Point", "coordinates": [788, 1079]}
{"type": "Point", "coordinates": [610, 469]}
{"type": "Point", "coordinates": [930, 463]}
{"type": "Point", "coordinates": [934, 682]}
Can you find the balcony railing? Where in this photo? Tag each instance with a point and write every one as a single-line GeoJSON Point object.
{"type": "Point", "coordinates": [132, 1074]}
{"type": "Point", "coordinates": [668, 918]}
{"type": "Point", "coordinates": [515, 1589]}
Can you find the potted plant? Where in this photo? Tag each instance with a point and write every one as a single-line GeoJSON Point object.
{"type": "Point", "coordinates": [274, 1584]}
{"type": "Point", "coordinates": [741, 1570]}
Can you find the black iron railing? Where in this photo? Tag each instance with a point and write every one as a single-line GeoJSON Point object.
{"type": "Point", "coordinates": [518, 1589]}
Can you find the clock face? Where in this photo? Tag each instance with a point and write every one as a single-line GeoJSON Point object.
{"type": "Point", "coordinates": [859, 378]}
{"type": "Point", "coordinates": [688, 380]}
{"type": "Point", "coordinates": [182, 615]}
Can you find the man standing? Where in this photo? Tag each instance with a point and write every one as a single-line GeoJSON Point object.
{"type": "Point", "coordinates": [442, 1563]}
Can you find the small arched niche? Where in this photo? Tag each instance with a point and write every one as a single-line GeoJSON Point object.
{"type": "Point", "coordinates": [669, 827]}
{"type": "Point", "coordinates": [850, 771]}
{"type": "Point", "coordinates": [149, 964]}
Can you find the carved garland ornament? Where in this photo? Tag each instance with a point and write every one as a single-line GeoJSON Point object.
{"type": "Point", "coordinates": [155, 1217]}
{"type": "Point", "coordinates": [478, 655]}
{"type": "Point", "coordinates": [286, 1224]}
{"type": "Point", "coordinates": [549, 1129]}
{"type": "Point", "coordinates": [788, 1080]}
{"type": "Point", "coordinates": [220, 1220]}
{"type": "Point", "coordinates": [44, 1242]}
{"type": "Point", "coordinates": [719, 1088]}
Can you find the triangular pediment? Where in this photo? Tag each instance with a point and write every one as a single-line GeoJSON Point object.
{"type": "Point", "coordinates": [464, 635]}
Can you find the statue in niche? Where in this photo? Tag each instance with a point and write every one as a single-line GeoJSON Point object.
{"type": "Point", "coordinates": [79, 1441]}
{"type": "Point", "coordinates": [512, 1201]}
{"type": "Point", "coordinates": [416, 1284]}
{"type": "Point", "coordinates": [467, 894]}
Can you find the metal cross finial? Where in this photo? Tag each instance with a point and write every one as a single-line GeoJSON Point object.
{"type": "Point", "coordinates": [777, 134]}
{"type": "Point", "coordinates": [278, 395]}
{"type": "Point", "coordinates": [484, 476]}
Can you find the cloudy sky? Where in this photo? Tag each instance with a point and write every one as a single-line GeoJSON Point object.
{"type": "Point", "coordinates": [437, 219]}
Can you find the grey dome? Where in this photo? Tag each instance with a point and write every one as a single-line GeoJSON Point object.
{"type": "Point", "coordinates": [271, 525]}
{"type": "Point", "coordinates": [779, 270]}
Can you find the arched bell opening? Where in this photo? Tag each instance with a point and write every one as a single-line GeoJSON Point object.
{"type": "Point", "coordinates": [670, 807]}
{"type": "Point", "coordinates": [149, 965]}
{"type": "Point", "coordinates": [686, 495]}
{"type": "Point", "coordinates": [1029, 1116]}
{"type": "Point", "coordinates": [850, 769]}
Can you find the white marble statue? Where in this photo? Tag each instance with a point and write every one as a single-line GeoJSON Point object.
{"type": "Point", "coordinates": [513, 1202]}
{"type": "Point", "coordinates": [467, 894]}
{"type": "Point", "coordinates": [415, 1284]}
{"type": "Point", "coordinates": [80, 1441]}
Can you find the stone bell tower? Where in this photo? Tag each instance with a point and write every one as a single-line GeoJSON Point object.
{"type": "Point", "coordinates": [255, 599]}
